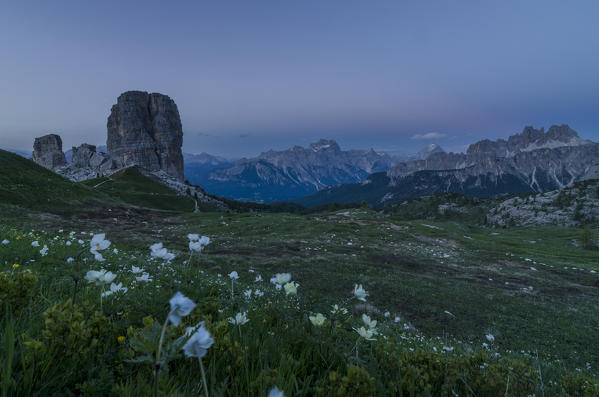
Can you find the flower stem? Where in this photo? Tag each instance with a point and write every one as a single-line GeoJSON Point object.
{"type": "Point", "coordinates": [157, 362]}
{"type": "Point", "coordinates": [189, 260]}
{"type": "Point", "coordinates": [203, 376]}
{"type": "Point", "coordinates": [232, 289]}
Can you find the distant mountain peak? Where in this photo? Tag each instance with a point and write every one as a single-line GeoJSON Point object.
{"type": "Point", "coordinates": [325, 144]}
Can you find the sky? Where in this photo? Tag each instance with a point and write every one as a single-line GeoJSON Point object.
{"type": "Point", "coordinates": [250, 76]}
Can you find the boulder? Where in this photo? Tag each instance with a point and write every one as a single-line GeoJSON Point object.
{"type": "Point", "coordinates": [145, 129]}
{"type": "Point", "coordinates": [47, 151]}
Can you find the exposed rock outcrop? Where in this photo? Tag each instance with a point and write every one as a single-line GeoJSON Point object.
{"type": "Point", "coordinates": [145, 129]}
{"type": "Point", "coordinates": [47, 151]}
{"type": "Point", "coordinates": [86, 156]}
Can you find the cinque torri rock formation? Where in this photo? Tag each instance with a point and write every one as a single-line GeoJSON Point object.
{"type": "Point", "coordinates": [145, 129]}
{"type": "Point", "coordinates": [47, 151]}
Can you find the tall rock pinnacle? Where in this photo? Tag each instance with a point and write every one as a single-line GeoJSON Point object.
{"type": "Point", "coordinates": [145, 129]}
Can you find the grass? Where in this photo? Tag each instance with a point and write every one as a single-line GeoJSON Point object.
{"type": "Point", "coordinates": [450, 283]}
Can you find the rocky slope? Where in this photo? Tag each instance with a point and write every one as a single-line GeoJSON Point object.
{"type": "Point", "coordinates": [567, 207]}
{"type": "Point", "coordinates": [281, 175]}
{"type": "Point", "coordinates": [532, 161]}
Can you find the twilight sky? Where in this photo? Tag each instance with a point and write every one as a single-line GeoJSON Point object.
{"type": "Point", "coordinates": [249, 76]}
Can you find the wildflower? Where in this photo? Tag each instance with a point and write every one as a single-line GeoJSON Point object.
{"type": "Point", "coordinates": [193, 237]}
{"type": "Point", "coordinates": [397, 319]}
{"type": "Point", "coordinates": [337, 309]}
{"type": "Point", "coordinates": [248, 293]}
{"type": "Point", "coordinates": [367, 334]}
{"type": "Point", "coordinates": [5, 242]}
{"type": "Point", "coordinates": [282, 278]}
{"type": "Point", "coordinates": [360, 292]}
{"type": "Point", "coordinates": [258, 279]}
{"type": "Point", "coordinates": [98, 243]}
{"type": "Point", "coordinates": [115, 251]}
{"type": "Point", "coordinates": [70, 260]}
{"type": "Point", "coordinates": [16, 266]}
{"type": "Point", "coordinates": [258, 293]}
{"type": "Point", "coordinates": [196, 243]}
{"type": "Point", "coordinates": [158, 251]}
{"type": "Point", "coordinates": [199, 343]}
{"type": "Point", "coordinates": [368, 322]}
{"type": "Point", "coordinates": [386, 314]}
{"type": "Point", "coordinates": [317, 320]}
{"type": "Point", "coordinates": [233, 275]}
{"type": "Point", "coordinates": [240, 319]}
{"type": "Point", "coordinates": [115, 288]}
{"type": "Point", "coordinates": [18, 237]}
{"type": "Point", "coordinates": [68, 243]}
{"type": "Point", "coordinates": [121, 339]}
{"type": "Point", "coordinates": [180, 307]}
{"type": "Point", "coordinates": [490, 338]}
{"type": "Point", "coordinates": [35, 244]}
{"type": "Point", "coordinates": [275, 392]}
{"type": "Point", "coordinates": [44, 251]}
{"type": "Point", "coordinates": [80, 242]}
{"type": "Point", "coordinates": [291, 288]}
{"type": "Point", "coordinates": [98, 256]}
{"type": "Point", "coordinates": [144, 277]}
{"type": "Point", "coordinates": [100, 277]}
{"type": "Point", "coordinates": [136, 270]}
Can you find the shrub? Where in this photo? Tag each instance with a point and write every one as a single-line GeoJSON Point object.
{"type": "Point", "coordinates": [17, 287]}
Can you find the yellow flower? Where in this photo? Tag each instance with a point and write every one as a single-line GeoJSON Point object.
{"type": "Point", "coordinates": [18, 237]}
{"type": "Point", "coordinates": [121, 339]}
{"type": "Point", "coordinates": [15, 266]}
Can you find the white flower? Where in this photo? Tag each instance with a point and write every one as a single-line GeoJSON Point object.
{"type": "Point", "coordinates": [158, 251]}
{"type": "Point", "coordinates": [193, 237]}
{"type": "Point", "coordinates": [275, 392]}
{"type": "Point", "coordinates": [367, 334]}
{"type": "Point", "coordinates": [115, 288]}
{"type": "Point", "coordinates": [248, 293]}
{"type": "Point", "coordinates": [70, 260]}
{"type": "Point", "coordinates": [136, 270]}
{"type": "Point", "coordinates": [397, 319]}
{"type": "Point", "coordinates": [258, 293]}
{"type": "Point", "coordinates": [360, 292]}
{"type": "Point", "coordinates": [115, 251]}
{"type": "Point", "coordinates": [240, 319]}
{"type": "Point", "coordinates": [490, 338]}
{"type": "Point", "coordinates": [199, 343]}
{"type": "Point", "coordinates": [81, 242]}
{"type": "Point", "coordinates": [98, 243]}
{"type": "Point", "coordinates": [282, 278]}
{"type": "Point", "coordinates": [44, 251]}
{"type": "Point", "coordinates": [180, 307]}
{"type": "Point", "coordinates": [68, 243]}
{"type": "Point", "coordinates": [258, 279]}
{"type": "Point", "coordinates": [337, 309]}
{"type": "Point", "coordinates": [5, 242]}
{"type": "Point", "coordinates": [35, 244]}
{"type": "Point", "coordinates": [317, 320]}
{"type": "Point", "coordinates": [144, 277]}
{"type": "Point", "coordinates": [386, 314]}
{"type": "Point", "coordinates": [98, 256]}
{"type": "Point", "coordinates": [100, 277]}
{"type": "Point", "coordinates": [278, 287]}
{"type": "Point", "coordinates": [233, 275]}
{"type": "Point", "coordinates": [291, 288]}
{"type": "Point", "coordinates": [368, 322]}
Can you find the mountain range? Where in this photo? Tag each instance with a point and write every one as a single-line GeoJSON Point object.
{"type": "Point", "coordinates": [531, 161]}
{"type": "Point", "coordinates": [289, 174]}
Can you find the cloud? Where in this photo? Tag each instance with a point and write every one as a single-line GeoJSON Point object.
{"type": "Point", "coordinates": [430, 135]}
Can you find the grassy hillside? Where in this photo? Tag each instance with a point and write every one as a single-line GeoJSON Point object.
{"type": "Point", "coordinates": [131, 187]}
{"type": "Point", "coordinates": [24, 183]}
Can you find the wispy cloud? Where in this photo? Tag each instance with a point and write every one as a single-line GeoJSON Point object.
{"type": "Point", "coordinates": [429, 135]}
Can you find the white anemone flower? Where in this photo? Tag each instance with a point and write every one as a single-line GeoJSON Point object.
{"type": "Point", "coordinates": [247, 293]}
{"type": "Point", "coordinates": [5, 242]}
{"type": "Point", "coordinates": [282, 278]}
{"type": "Point", "coordinates": [490, 338]}
{"type": "Point", "coordinates": [144, 277]}
{"type": "Point", "coordinates": [275, 392]}
{"type": "Point", "coordinates": [367, 334]}
{"type": "Point", "coordinates": [35, 244]}
{"type": "Point", "coordinates": [193, 237]}
{"type": "Point", "coordinates": [336, 309]}
{"type": "Point", "coordinates": [158, 251]}
{"type": "Point", "coordinates": [114, 288]}
{"type": "Point", "coordinates": [181, 306]}
{"type": "Point", "coordinates": [68, 243]}
{"type": "Point", "coordinates": [291, 288]}
{"type": "Point", "coordinates": [99, 243]}
{"type": "Point", "coordinates": [240, 319]}
{"type": "Point", "coordinates": [199, 343]}
{"type": "Point", "coordinates": [368, 322]}
{"type": "Point", "coordinates": [44, 251]}
{"type": "Point", "coordinates": [70, 260]}
{"type": "Point", "coordinates": [317, 320]}
{"type": "Point", "coordinates": [100, 277]}
{"type": "Point", "coordinates": [360, 292]}
{"type": "Point", "coordinates": [136, 270]}
{"type": "Point", "coordinates": [98, 256]}
{"type": "Point", "coordinates": [258, 279]}
{"type": "Point", "coordinates": [233, 275]}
